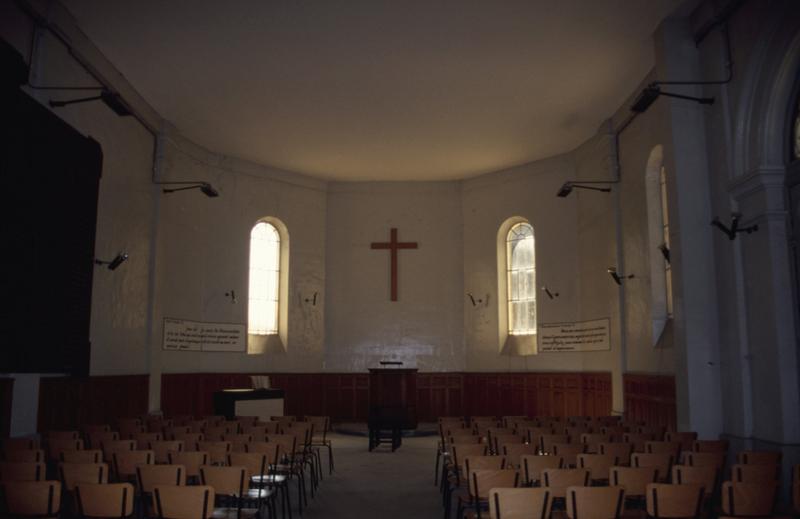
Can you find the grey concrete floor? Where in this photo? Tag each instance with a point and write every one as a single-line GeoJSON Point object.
{"type": "Point", "coordinates": [381, 484]}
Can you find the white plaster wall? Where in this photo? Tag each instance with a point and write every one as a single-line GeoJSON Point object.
{"type": "Point", "coordinates": [203, 252]}
{"type": "Point", "coordinates": [424, 328]}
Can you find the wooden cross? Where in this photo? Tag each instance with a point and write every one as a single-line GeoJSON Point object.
{"type": "Point", "coordinates": [393, 246]}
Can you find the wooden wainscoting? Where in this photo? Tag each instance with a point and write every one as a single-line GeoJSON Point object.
{"type": "Point", "coordinates": [650, 398]}
{"type": "Point", "coordinates": [69, 402]}
{"type": "Point", "coordinates": [345, 396]}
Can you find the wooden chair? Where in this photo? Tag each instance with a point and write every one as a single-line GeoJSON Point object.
{"type": "Point", "coordinates": [322, 426]}
{"type": "Point", "coordinates": [197, 426]}
{"type": "Point", "coordinates": [218, 433]}
{"type": "Point", "coordinates": [272, 450]}
{"type": "Point", "coordinates": [663, 462]}
{"type": "Point", "coordinates": [674, 501]}
{"type": "Point", "coordinates": [129, 430]}
{"type": "Point", "coordinates": [170, 433]}
{"type": "Point", "coordinates": [759, 458]}
{"type": "Point", "coordinates": [105, 500]}
{"type": "Point", "coordinates": [57, 445]}
{"type": "Point", "coordinates": [748, 499]}
{"type": "Point", "coordinates": [633, 479]}
{"type": "Point", "coordinates": [658, 431]}
{"type": "Point", "coordinates": [519, 503]}
{"type": "Point", "coordinates": [87, 456]}
{"type": "Point", "coordinates": [621, 450]}
{"type": "Point", "coordinates": [190, 440]}
{"type": "Point", "coordinates": [598, 466]}
{"type": "Point", "coordinates": [708, 476]}
{"type": "Point", "coordinates": [534, 465]}
{"type": "Point", "coordinates": [705, 459]}
{"type": "Point", "coordinates": [191, 460]}
{"type": "Point", "coordinates": [162, 449]}
{"type": "Point", "coordinates": [481, 482]}
{"type": "Point", "coordinates": [213, 419]}
{"type": "Point", "coordinates": [259, 461]}
{"type": "Point", "coordinates": [638, 440]}
{"type": "Point", "coordinates": [755, 473]}
{"type": "Point", "coordinates": [535, 434]}
{"type": "Point", "coordinates": [21, 471]}
{"type": "Point", "coordinates": [73, 474]}
{"type": "Point", "coordinates": [33, 498]}
{"type": "Point", "coordinates": [595, 502]}
{"type": "Point", "coordinates": [28, 456]}
{"type": "Point", "coordinates": [672, 448]}
{"type": "Point", "coordinates": [238, 442]}
{"type": "Point", "coordinates": [125, 463]}
{"type": "Point", "coordinates": [180, 502]}
{"type": "Point", "coordinates": [472, 463]}
{"type": "Point", "coordinates": [144, 439]}
{"type": "Point", "coordinates": [217, 450]}
{"type": "Point", "coordinates": [499, 441]}
{"type": "Point", "coordinates": [546, 441]}
{"type": "Point", "coordinates": [150, 476]}
{"type": "Point", "coordinates": [686, 439]}
{"type": "Point", "coordinates": [593, 441]}
{"type": "Point", "coordinates": [62, 435]}
{"type": "Point", "coordinates": [715, 446]}
{"type": "Point", "coordinates": [229, 482]}
{"type": "Point", "coordinates": [558, 480]}
{"type": "Point", "coordinates": [615, 432]}
{"type": "Point", "coordinates": [569, 451]}
{"type": "Point", "coordinates": [98, 438]}
{"type": "Point", "coordinates": [19, 444]}
{"type": "Point", "coordinates": [514, 452]}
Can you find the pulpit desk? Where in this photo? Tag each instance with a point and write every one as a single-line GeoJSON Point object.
{"type": "Point", "coordinates": [262, 403]}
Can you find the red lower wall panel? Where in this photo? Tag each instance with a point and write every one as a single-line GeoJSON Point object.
{"type": "Point", "coordinates": [345, 396]}
{"type": "Point", "coordinates": [69, 402]}
{"type": "Point", "coordinates": [650, 399]}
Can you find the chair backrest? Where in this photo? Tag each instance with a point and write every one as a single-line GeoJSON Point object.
{"type": "Point", "coordinates": [621, 450]}
{"type": "Point", "coordinates": [150, 476]}
{"type": "Point", "coordinates": [710, 446]}
{"type": "Point", "coordinates": [189, 440]}
{"type": "Point", "coordinates": [759, 458]}
{"type": "Point", "coordinates": [322, 425]}
{"type": "Point", "coordinates": [257, 463]}
{"type": "Point", "coordinates": [638, 440]}
{"type": "Point", "coordinates": [748, 499]}
{"type": "Point", "coordinates": [513, 453]}
{"type": "Point", "coordinates": [462, 450]}
{"type": "Point", "coordinates": [463, 438]}
{"type": "Point", "coordinates": [569, 451]}
{"type": "Point", "coordinates": [534, 465]}
{"type": "Point", "coordinates": [230, 481]}
{"type": "Point", "coordinates": [105, 500]}
{"type": "Point", "coordinates": [57, 445]}
{"type": "Point", "coordinates": [162, 448]}
{"type": "Point", "coordinates": [288, 444]}
{"type": "Point", "coordinates": [708, 476]}
{"type": "Point", "coordinates": [21, 471]}
{"type": "Point", "coordinates": [519, 503]}
{"type": "Point", "coordinates": [238, 441]}
{"type": "Point", "coordinates": [217, 450]}
{"type": "Point", "coordinates": [257, 432]}
{"type": "Point", "coordinates": [615, 432]}
{"type": "Point", "coordinates": [272, 450]}
{"type": "Point", "coordinates": [597, 464]}
{"type": "Point", "coordinates": [30, 456]}
{"type": "Point", "coordinates": [671, 448]}
{"type": "Point", "coordinates": [73, 474]}
{"type": "Point", "coordinates": [143, 439]}
{"type": "Point", "coordinates": [705, 459]}
{"type": "Point", "coordinates": [558, 480]}
{"type": "Point", "coordinates": [125, 462]}
{"type": "Point", "coordinates": [633, 479]}
{"type": "Point", "coordinates": [674, 501]}
{"type": "Point", "coordinates": [86, 456]}
{"type": "Point", "coordinates": [33, 498]}
{"type": "Point", "coordinates": [593, 441]}
{"type": "Point", "coordinates": [657, 431]}
{"type": "Point", "coordinates": [482, 481]}
{"type": "Point", "coordinates": [97, 438]}
{"type": "Point", "coordinates": [535, 434]}
{"type": "Point", "coordinates": [755, 473]}
{"type": "Point", "coordinates": [62, 435]}
{"type": "Point", "coordinates": [483, 463]}
{"type": "Point", "coordinates": [663, 462]}
{"type": "Point", "coordinates": [686, 439]}
{"type": "Point", "coordinates": [19, 444]}
{"type": "Point", "coordinates": [192, 460]}
{"type": "Point", "coordinates": [197, 426]}
{"type": "Point", "coordinates": [501, 440]}
{"type": "Point", "coordinates": [170, 433]}
{"type": "Point", "coordinates": [546, 441]}
{"type": "Point", "coordinates": [181, 502]}
{"type": "Point", "coordinates": [595, 502]}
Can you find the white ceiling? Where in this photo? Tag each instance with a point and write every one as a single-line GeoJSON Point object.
{"type": "Point", "coordinates": [379, 89]}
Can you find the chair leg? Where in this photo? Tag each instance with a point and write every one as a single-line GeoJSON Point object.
{"type": "Point", "coordinates": [436, 470]}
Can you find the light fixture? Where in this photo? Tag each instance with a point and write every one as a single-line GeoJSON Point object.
{"type": "Point", "coordinates": [664, 251]}
{"type": "Point", "coordinates": [649, 95]}
{"type": "Point", "coordinates": [734, 229]}
{"type": "Point", "coordinates": [114, 263]}
{"type": "Point", "coordinates": [111, 99]}
{"type": "Point", "coordinates": [550, 293]}
{"type": "Point", "coordinates": [205, 187]}
{"type": "Point", "coordinates": [568, 186]}
{"type": "Point", "coordinates": [618, 278]}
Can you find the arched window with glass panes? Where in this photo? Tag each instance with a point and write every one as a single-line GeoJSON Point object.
{"type": "Point", "coordinates": [521, 279]}
{"type": "Point", "coordinates": [264, 283]}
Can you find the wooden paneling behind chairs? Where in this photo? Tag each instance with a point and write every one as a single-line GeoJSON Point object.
{"type": "Point", "coordinates": [674, 501]}
{"type": "Point", "coordinates": [519, 503]}
{"type": "Point", "coordinates": [748, 499]}
{"type": "Point", "coordinates": [595, 502]}
{"type": "Point", "coordinates": [33, 498]}
{"type": "Point", "coordinates": [105, 500]}
{"type": "Point", "coordinates": [179, 502]}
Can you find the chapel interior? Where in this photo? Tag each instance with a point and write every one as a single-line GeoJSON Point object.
{"type": "Point", "coordinates": [572, 210]}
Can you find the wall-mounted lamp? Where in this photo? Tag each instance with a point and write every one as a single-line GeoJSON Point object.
{"type": "Point", "coordinates": [568, 186]}
{"type": "Point", "coordinates": [479, 301]}
{"type": "Point", "coordinates": [550, 293]}
{"type": "Point", "coordinates": [232, 296]}
{"type": "Point", "coordinates": [111, 99]}
{"type": "Point", "coordinates": [618, 278]}
{"type": "Point", "coordinates": [649, 95]}
{"type": "Point", "coordinates": [664, 251]}
{"type": "Point", "coordinates": [205, 187]}
{"type": "Point", "coordinates": [312, 299]}
{"type": "Point", "coordinates": [733, 230]}
{"type": "Point", "coordinates": [114, 263]}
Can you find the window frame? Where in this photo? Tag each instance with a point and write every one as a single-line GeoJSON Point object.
{"type": "Point", "coordinates": [272, 342]}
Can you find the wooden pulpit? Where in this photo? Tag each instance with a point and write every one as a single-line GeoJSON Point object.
{"type": "Point", "coordinates": [393, 391]}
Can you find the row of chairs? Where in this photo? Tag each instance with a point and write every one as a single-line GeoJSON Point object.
{"type": "Point", "coordinates": [489, 443]}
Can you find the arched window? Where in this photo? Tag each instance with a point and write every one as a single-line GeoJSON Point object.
{"type": "Point", "coordinates": [658, 242]}
{"type": "Point", "coordinates": [521, 279]}
{"type": "Point", "coordinates": [265, 269]}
